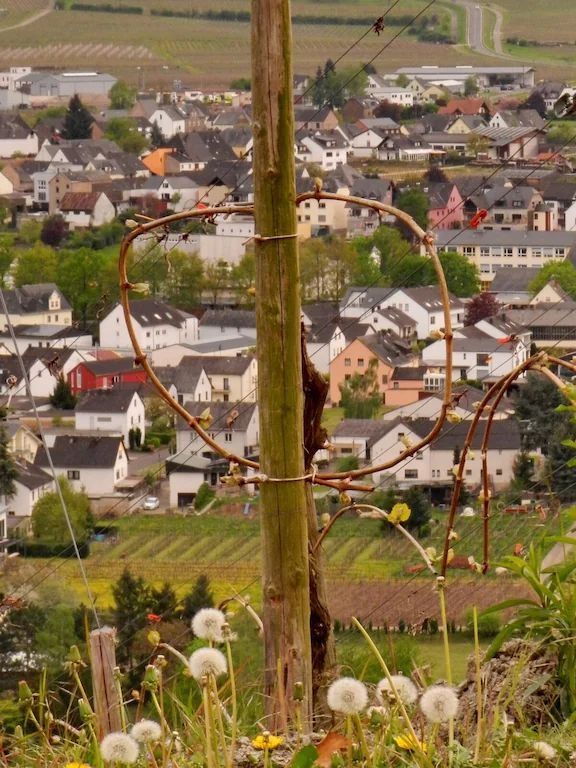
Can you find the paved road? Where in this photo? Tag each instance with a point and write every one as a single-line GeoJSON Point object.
{"type": "Point", "coordinates": [475, 26]}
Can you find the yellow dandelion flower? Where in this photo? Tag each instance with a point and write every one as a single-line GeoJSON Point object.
{"type": "Point", "coordinates": [76, 765]}
{"type": "Point", "coordinates": [409, 742]}
{"type": "Point", "coordinates": [267, 741]}
{"type": "Point", "coordinates": [399, 514]}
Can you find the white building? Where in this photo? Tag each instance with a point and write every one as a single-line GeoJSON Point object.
{"type": "Point", "coordinates": [156, 325]}
{"type": "Point", "coordinates": [113, 411]}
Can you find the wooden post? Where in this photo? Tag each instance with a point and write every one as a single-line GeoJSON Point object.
{"type": "Point", "coordinates": [103, 662]}
{"type": "Point", "coordinates": [285, 574]}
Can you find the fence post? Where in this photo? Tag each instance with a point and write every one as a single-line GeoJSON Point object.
{"type": "Point", "coordinates": [106, 699]}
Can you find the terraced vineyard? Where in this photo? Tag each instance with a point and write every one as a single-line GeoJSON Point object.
{"type": "Point", "coordinates": [365, 568]}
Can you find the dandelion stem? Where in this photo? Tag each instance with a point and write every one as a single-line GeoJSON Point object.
{"type": "Point", "coordinates": [479, 714]}
{"type": "Point", "coordinates": [207, 724]}
{"type": "Point", "coordinates": [234, 704]}
{"type": "Point", "coordinates": [419, 751]}
{"type": "Point", "coordinates": [441, 582]}
{"type": "Point", "coordinates": [361, 737]}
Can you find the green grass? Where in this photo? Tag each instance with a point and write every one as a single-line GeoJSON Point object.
{"type": "Point", "coordinates": [331, 417]}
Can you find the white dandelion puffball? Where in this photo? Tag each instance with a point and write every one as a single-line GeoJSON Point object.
{"type": "Point", "coordinates": [347, 696]}
{"type": "Point", "coordinates": [439, 703]}
{"type": "Point", "coordinates": [119, 748]}
{"type": "Point", "coordinates": [405, 688]}
{"type": "Point", "coordinates": [544, 751]}
{"type": "Point", "coordinates": [207, 661]}
{"type": "Point", "coordinates": [145, 731]}
{"type": "Point", "coordinates": [207, 624]}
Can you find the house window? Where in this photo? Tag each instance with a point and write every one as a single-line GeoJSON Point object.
{"type": "Point", "coordinates": [104, 419]}
{"type": "Point", "coordinates": [228, 437]}
{"type": "Point", "coordinates": [396, 385]}
{"type": "Point", "coordinates": [73, 474]}
{"type": "Point", "coordinates": [385, 378]}
{"type": "Point", "coordinates": [360, 362]}
{"type": "Point", "coordinates": [411, 474]}
{"type": "Point", "coordinates": [347, 362]}
{"type": "Point", "coordinates": [499, 471]}
{"type": "Point", "coordinates": [225, 384]}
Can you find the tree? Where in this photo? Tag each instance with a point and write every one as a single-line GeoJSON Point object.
{"type": "Point", "coordinates": [18, 637]}
{"type": "Point", "coordinates": [6, 259]}
{"type": "Point", "coordinates": [435, 174]}
{"type": "Point", "coordinates": [535, 101]}
{"type": "Point", "coordinates": [163, 602]}
{"type": "Point", "coordinates": [244, 278]}
{"type": "Point", "coordinates": [216, 280]}
{"type": "Point", "coordinates": [388, 109]}
{"type": "Point", "coordinates": [199, 597]}
{"type": "Point", "coordinates": [535, 409]}
{"type": "Point", "coordinates": [183, 280]}
{"type": "Point", "coordinates": [85, 275]}
{"type": "Point", "coordinates": [38, 264]}
{"type": "Point", "coordinates": [53, 230]}
{"type": "Point", "coordinates": [477, 145]}
{"type": "Point", "coordinates": [410, 270]}
{"type": "Point", "coordinates": [471, 86]}
{"type": "Point", "coordinates": [480, 306]}
{"type": "Point", "coordinates": [8, 471]}
{"type": "Point", "coordinates": [241, 84]}
{"type": "Point", "coordinates": [122, 95]}
{"type": "Point", "coordinates": [63, 397]}
{"type": "Point", "coordinates": [391, 245]}
{"type": "Point", "coordinates": [49, 524]}
{"type": "Point", "coordinates": [415, 203]}
{"type": "Point", "coordinates": [54, 638]}
{"type": "Point", "coordinates": [523, 470]}
{"type": "Point", "coordinates": [563, 272]}
{"type": "Point", "coordinates": [559, 469]}
{"type": "Point", "coordinates": [420, 509]}
{"type": "Point", "coordinates": [360, 394]}
{"type": "Point", "coordinates": [461, 274]}
{"type": "Point", "coordinates": [131, 605]}
{"type": "Point", "coordinates": [402, 80]}
{"type": "Point", "coordinates": [157, 138]}
{"type": "Point", "coordinates": [124, 131]}
{"type": "Point", "coordinates": [77, 121]}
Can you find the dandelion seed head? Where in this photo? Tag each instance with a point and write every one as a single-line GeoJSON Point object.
{"type": "Point", "coordinates": [207, 624]}
{"type": "Point", "coordinates": [146, 730]}
{"type": "Point", "coordinates": [207, 661]}
{"type": "Point", "coordinates": [348, 696]}
{"type": "Point", "coordinates": [439, 703]}
{"type": "Point", "coordinates": [544, 751]}
{"type": "Point", "coordinates": [119, 748]}
{"type": "Point", "coordinates": [406, 689]}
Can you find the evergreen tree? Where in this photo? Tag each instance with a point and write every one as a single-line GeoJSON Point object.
{"type": "Point", "coordinates": [199, 597]}
{"type": "Point", "coordinates": [8, 471]}
{"type": "Point", "coordinates": [163, 602]}
{"type": "Point", "coordinates": [63, 397]}
{"type": "Point", "coordinates": [77, 121]}
{"type": "Point", "coordinates": [420, 506]}
{"type": "Point", "coordinates": [157, 138]}
{"type": "Point", "coordinates": [131, 604]}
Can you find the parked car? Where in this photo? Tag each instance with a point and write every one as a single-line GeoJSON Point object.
{"type": "Point", "coordinates": [151, 502]}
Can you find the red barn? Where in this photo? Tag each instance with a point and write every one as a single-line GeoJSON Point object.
{"type": "Point", "coordinates": [104, 374]}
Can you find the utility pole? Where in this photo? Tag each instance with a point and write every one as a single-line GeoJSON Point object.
{"type": "Point", "coordinates": [285, 564]}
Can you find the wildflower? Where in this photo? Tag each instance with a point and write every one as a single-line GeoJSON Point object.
{"type": "Point", "coordinates": [453, 417]}
{"type": "Point", "coordinates": [145, 731]}
{"type": "Point", "coordinates": [474, 565]}
{"type": "Point", "coordinates": [348, 696]}
{"type": "Point", "coordinates": [207, 624]}
{"type": "Point", "coordinates": [406, 689]}
{"type": "Point", "coordinates": [439, 703]}
{"type": "Point", "coordinates": [207, 661]}
{"type": "Point", "coordinates": [153, 618]}
{"type": "Point", "coordinates": [544, 751]}
{"type": "Point", "coordinates": [377, 714]}
{"type": "Point", "coordinates": [406, 442]}
{"type": "Point", "coordinates": [409, 742]}
{"type": "Point", "coordinates": [399, 514]}
{"type": "Point", "coordinates": [119, 748]}
{"type": "Point", "coordinates": [76, 765]}
{"type": "Point", "coordinates": [267, 741]}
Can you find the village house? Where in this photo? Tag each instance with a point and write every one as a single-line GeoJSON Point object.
{"type": "Point", "coordinates": [445, 206]}
{"type": "Point", "coordinates": [46, 336]}
{"type": "Point", "coordinates": [105, 374]}
{"type": "Point", "coordinates": [16, 137]}
{"type": "Point", "coordinates": [115, 411]}
{"type": "Point", "coordinates": [156, 324]}
{"type": "Point", "coordinates": [38, 304]}
{"type": "Point", "coordinates": [384, 351]}
{"type": "Point", "coordinates": [362, 220]}
{"type": "Point", "coordinates": [188, 382]}
{"type": "Point", "coordinates": [379, 442]}
{"type": "Point", "coordinates": [327, 149]}
{"type": "Point", "coordinates": [93, 464]}
{"type": "Point", "coordinates": [30, 484]}
{"type": "Point", "coordinates": [406, 385]}
{"type": "Point", "coordinates": [22, 442]}
{"type": "Point", "coordinates": [83, 210]}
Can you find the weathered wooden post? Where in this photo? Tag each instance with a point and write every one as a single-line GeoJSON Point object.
{"type": "Point", "coordinates": [103, 663]}
{"type": "Point", "coordinates": [284, 508]}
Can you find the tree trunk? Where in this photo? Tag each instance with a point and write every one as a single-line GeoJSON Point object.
{"type": "Point", "coordinates": [284, 508]}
